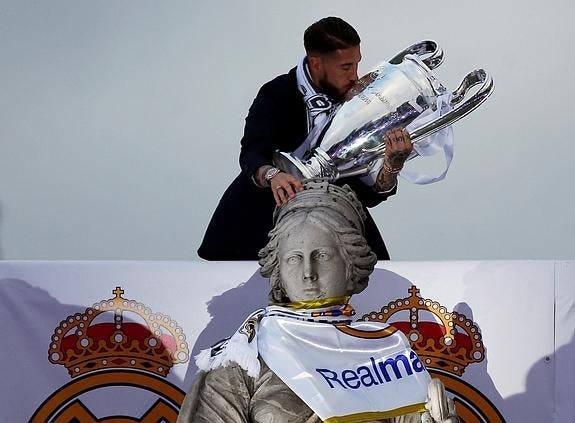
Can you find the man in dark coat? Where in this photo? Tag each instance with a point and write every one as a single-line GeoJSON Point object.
{"type": "Point", "coordinates": [283, 113]}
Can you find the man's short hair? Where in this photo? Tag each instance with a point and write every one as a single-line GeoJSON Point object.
{"type": "Point", "coordinates": [329, 34]}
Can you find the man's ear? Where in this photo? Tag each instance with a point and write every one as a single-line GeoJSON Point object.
{"type": "Point", "coordinates": [314, 63]}
{"type": "Point", "coordinates": [351, 284]}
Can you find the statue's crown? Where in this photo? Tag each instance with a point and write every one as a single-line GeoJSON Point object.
{"type": "Point", "coordinates": [102, 337]}
{"type": "Point", "coordinates": [448, 341]}
{"type": "Point", "coordinates": [318, 193]}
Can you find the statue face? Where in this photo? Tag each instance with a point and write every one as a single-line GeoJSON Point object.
{"type": "Point", "coordinates": [311, 265]}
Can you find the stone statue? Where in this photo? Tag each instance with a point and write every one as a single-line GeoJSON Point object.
{"type": "Point", "coordinates": [316, 259]}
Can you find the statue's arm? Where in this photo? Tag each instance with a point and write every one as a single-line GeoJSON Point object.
{"type": "Point", "coordinates": [439, 406]}
{"type": "Point", "coordinates": [219, 396]}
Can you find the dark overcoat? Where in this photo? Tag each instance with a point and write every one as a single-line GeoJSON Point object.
{"type": "Point", "coordinates": [277, 120]}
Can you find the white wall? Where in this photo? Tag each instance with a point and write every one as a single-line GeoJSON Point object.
{"type": "Point", "coordinates": [120, 123]}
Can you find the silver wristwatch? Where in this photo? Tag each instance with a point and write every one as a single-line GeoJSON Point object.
{"type": "Point", "coordinates": [270, 173]}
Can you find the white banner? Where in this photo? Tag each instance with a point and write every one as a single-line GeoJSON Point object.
{"type": "Point", "coordinates": [94, 340]}
{"type": "Point", "coordinates": [342, 371]}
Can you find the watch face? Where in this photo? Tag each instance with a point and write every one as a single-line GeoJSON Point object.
{"type": "Point", "coordinates": [271, 173]}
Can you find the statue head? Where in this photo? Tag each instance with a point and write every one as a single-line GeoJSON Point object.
{"type": "Point", "coordinates": [317, 248]}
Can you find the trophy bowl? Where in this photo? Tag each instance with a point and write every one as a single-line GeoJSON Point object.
{"type": "Point", "coordinates": [392, 95]}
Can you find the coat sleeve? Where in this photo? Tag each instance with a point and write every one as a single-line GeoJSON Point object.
{"type": "Point", "coordinates": [276, 121]}
{"type": "Point", "coordinates": [366, 194]}
{"type": "Point", "coordinates": [260, 132]}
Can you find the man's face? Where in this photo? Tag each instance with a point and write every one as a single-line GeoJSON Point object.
{"type": "Point", "coordinates": [311, 265]}
{"type": "Point", "coordinates": [336, 72]}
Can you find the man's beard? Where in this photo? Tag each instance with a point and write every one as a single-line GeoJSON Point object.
{"type": "Point", "coordinates": [332, 92]}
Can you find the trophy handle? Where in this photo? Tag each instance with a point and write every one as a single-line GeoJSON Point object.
{"type": "Point", "coordinates": [420, 49]}
{"type": "Point", "coordinates": [473, 78]}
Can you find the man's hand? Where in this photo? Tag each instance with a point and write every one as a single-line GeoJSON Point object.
{"type": "Point", "coordinates": [284, 186]}
{"type": "Point", "coordinates": [398, 146]}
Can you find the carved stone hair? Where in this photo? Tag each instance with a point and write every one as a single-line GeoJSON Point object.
{"type": "Point", "coordinates": [333, 208]}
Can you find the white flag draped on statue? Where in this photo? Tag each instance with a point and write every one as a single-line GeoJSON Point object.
{"type": "Point", "coordinates": [345, 370]}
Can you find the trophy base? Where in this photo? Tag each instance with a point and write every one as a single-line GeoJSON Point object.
{"type": "Point", "coordinates": [291, 165]}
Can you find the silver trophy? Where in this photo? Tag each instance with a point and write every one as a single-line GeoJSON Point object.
{"type": "Point", "coordinates": [393, 95]}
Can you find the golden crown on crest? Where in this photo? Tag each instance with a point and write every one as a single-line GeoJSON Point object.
{"type": "Point", "coordinates": [103, 338]}
{"type": "Point", "coordinates": [444, 340]}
